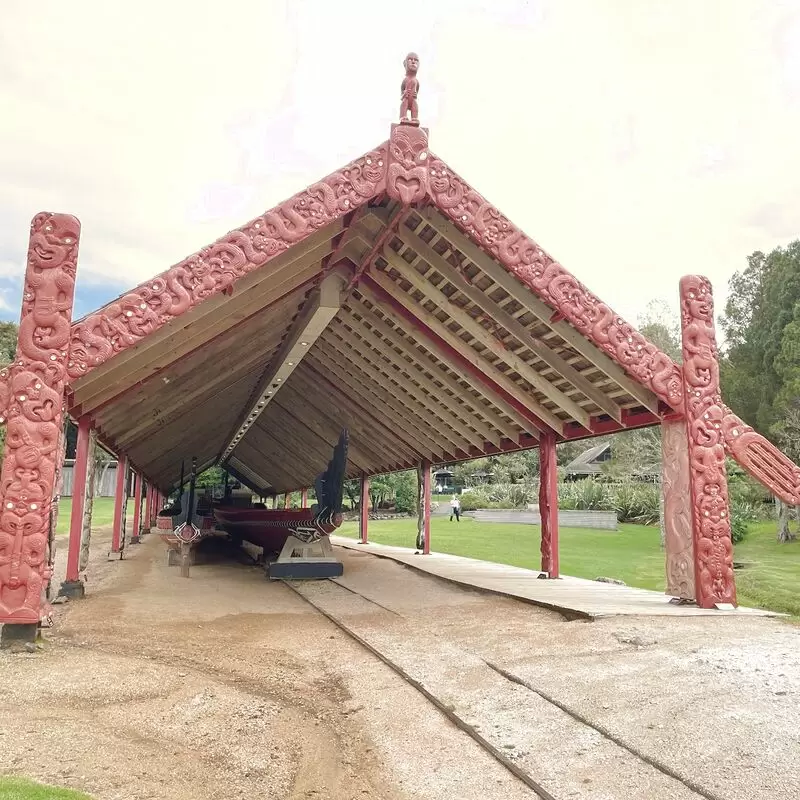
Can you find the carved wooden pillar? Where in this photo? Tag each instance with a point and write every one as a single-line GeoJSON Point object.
{"type": "Point", "coordinates": [120, 506]}
{"type": "Point", "coordinates": [35, 384]}
{"type": "Point", "coordinates": [304, 498]}
{"type": "Point", "coordinates": [287, 500]}
{"type": "Point", "coordinates": [88, 502]}
{"type": "Point", "coordinates": [676, 493]}
{"type": "Point", "coordinates": [424, 506]}
{"type": "Point", "coordinates": [548, 503]}
{"type": "Point", "coordinates": [363, 528]}
{"type": "Point", "coordinates": [73, 586]}
{"type": "Point", "coordinates": [711, 525]}
{"type": "Point", "coordinates": [137, 509]}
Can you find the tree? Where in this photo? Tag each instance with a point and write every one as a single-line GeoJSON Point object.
{"type": "Point", "coordinates": [760, 369]}
{"type": "Point", "coordinates": [660, 325]}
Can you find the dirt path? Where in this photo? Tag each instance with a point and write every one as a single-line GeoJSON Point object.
{"type": "Point", "coordinates": [226, 685]}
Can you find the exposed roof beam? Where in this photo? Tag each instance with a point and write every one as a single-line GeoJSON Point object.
{"type": "Point", "coordinates": [304, 394]}
{"type": "Point", "coordinates": [364, 430]}
{"type": "Point", "coordinates": [480, 365]}
{"type": "Point", "coordinates": [371, 404]}
{"type": "Point", "coordinates": [369, 385]}
{"type": "Point", "coordinates": [523, 295]}
{"type": "Point", "coordinates": [387, 382]}
{"type": "Point", "coordinates": [461, 403]}
{"type": "Point", "coordinates": [320, 308]}
{"type": "Point", "coordinates": [440, 351]}
{"type": "Point", "coordinates": [512, 325]}
{"type": "Point", "coordinates": [453, 425]}
{"type": "Point", "coordinates": [491, 343]}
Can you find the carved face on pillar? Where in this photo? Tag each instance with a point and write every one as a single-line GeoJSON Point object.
{"type": "Point", "coordinates": [407, 177]}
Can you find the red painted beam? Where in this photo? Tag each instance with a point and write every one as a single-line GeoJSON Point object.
{"type": "Point", "coordinates": [605, 425]}
{"type": "Point", "coordinates": [119, 502]}
{"type": "Point", "coordinates": [78, 498]}
{"type": "Point", "coordinates": [364, 509]}
{"type": "Point", "coordinates": [548, 504]}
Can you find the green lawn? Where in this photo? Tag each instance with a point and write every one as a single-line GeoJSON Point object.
{"type": "Point", "coordinates": [632, 555]}
{"type": "Point", "coordinates": [102, 513]}
{"type": "Point", "coordinates": [19, 789]}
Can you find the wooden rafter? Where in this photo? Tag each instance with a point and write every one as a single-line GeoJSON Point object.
{"type": "Point", "coordinates": [380, 371]}
{"type": "Point", "coordinates": [452, 395]}
{"type": "Point", "coordinates": [492, 344]}
{"type": "Point", "coordinates": [539, 308]}
{"type": "Point", "coordinates": [482, 367]}
{"type": "Point", "coordinates": [444, 356]}
{"type": "Point", "coordinates": [356, 372]}
{"type": "Point", "coordinates": [371, 403]}
{"type": "Point", "coordinates": [511, 324]}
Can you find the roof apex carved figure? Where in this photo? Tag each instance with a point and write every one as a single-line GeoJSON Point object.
{"type": "Point", "coordinates": [409, 89]}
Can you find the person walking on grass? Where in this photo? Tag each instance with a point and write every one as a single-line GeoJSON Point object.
{"type": "Point", "coordinates": [455, 509]}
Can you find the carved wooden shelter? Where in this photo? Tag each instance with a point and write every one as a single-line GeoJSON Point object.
{"type": "Point", "coordinates": [391, 298]}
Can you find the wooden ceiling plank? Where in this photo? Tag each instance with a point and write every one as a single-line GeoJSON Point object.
{"type": "Point", "coordinates": [371, 435]}
{"type": "Point", "coordinates": [512, 325]}
{"type": "Point", "coordinates": [183, 388]}
{"type": "Point", "coordinates": [299, 437]}
{"type": "Point", "coordinates": [497, 403]}
{"type": "Point", "coordinates": [492, 343]}
{"type": "Point", "coordinates": [467, 353]}
{"type": "Point", "coordinates": [114, 379]}
{"type": "Point", "coordinates": [149, 425]}
{"type": "Point", "coordinates": [311, 250]}
{"type": "Point", "coordinates": [415, 411]}
{"type": "Point", "coordinates": [304, 394]}
{"type": "Point", "coordinates": [404, 427]}
{"type": "Point", "coordinates": [460, 403]}
{"type": "Point", "coordinates": [523, 295]}
{"type": "Point", "coordinates": [456, 430]}
{"type": "Point", "coordinates": [265, 441]}
{"type": "Point", "coordinates": [268, 469]}
{"type": "Point", "coordinates": [187, 332]}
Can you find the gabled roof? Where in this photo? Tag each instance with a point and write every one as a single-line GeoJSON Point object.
{"type": "Point", "coordinates": [448, 334]}
{"type": "Point", "coordinates": [587, 462]}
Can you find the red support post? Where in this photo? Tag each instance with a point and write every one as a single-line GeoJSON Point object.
{"type": "Point", "coordinates": [304, 498]}
{"type": "Point", "coordinates": [714, 580]}
{"type": "Point", "coordinates": [425, 467]}
{"type": "Point", "coordinates": [73, 586]}
{"type": "Point", "coordinates": [548, 503]}
{"type": "Point", "coordinates": [120, 498]}
{"type": "Point", "coordinates": [33, 412]}
{"type": "Point", "coordinates": [148, 507]}
{"type": "Point", "coordinates": [364, 507]}
{"type": "Point", "coordinates": [137, 508]}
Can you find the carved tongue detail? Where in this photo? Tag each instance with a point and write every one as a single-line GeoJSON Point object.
{"type": "Point", "coordinates": [408, 189]}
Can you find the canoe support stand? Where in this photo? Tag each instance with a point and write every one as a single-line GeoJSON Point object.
{"type": "Point", "coordinates": [301, 561]}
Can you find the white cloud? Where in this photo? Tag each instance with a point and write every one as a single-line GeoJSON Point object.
{"type": "Point", "coordinates": [635, 146]}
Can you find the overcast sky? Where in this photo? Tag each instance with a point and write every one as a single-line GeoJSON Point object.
{"type": "Point", "coordinates": [635, 140]}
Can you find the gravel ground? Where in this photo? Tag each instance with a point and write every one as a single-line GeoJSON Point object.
{"type": "Point", "coordinates": [226, 685]}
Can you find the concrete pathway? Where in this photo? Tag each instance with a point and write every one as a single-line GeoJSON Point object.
{"type": "Point", "coordinates": [575, 597]}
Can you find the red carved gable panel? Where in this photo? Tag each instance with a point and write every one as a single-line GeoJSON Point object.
{"type": "Point", "coordinates": [214, 269]}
